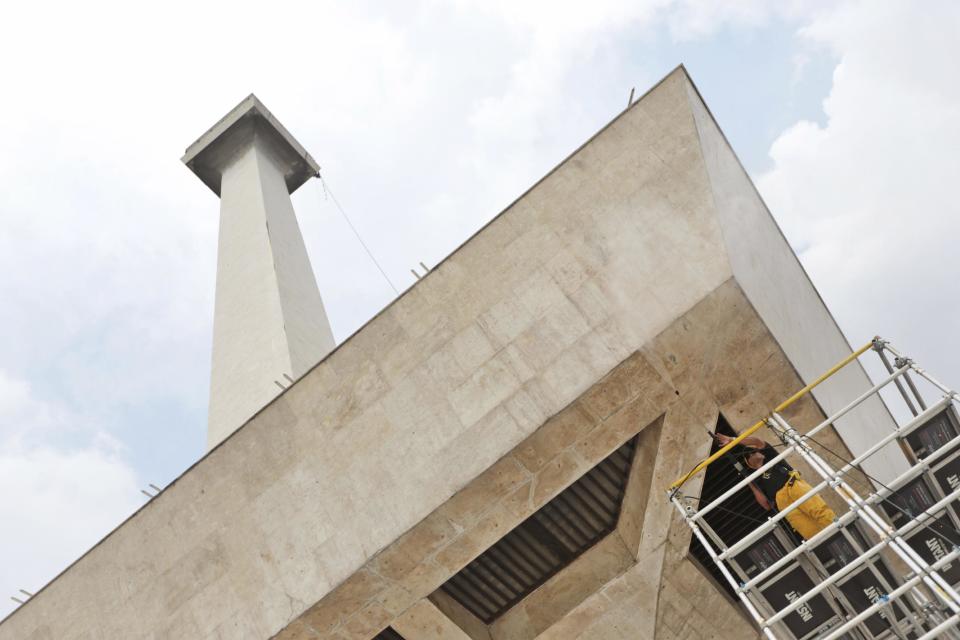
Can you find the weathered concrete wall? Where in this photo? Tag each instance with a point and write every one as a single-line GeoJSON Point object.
{"type": "Point", "coordinates": [423, 404]}
{"type": "Point", "coordinates": [424, 621]}
{"type": "Point", "coordinates": [778, 287]}
{"type": "Point", "coordinates": [670, 392]}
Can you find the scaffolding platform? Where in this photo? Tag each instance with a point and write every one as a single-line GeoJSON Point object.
{"type": "Point", "coordinates": [886, 568]}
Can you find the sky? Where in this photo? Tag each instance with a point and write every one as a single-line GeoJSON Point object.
{"type": "Point", "coordinates": [427, 118]}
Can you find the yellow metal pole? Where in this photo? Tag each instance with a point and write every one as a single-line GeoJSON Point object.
{"type": "Point", "coordinates": [783, 405]}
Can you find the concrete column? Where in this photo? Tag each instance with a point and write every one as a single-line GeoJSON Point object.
{"type": "Point", "coordinates": [269, 319]}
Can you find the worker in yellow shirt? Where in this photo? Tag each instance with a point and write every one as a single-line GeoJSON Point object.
{"type": "Point", "coordinates": [780, 485]}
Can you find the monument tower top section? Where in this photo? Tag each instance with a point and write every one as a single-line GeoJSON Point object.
{"type": "Point", "coordinates": [215, 149]}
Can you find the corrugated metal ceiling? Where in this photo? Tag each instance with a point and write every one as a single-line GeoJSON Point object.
{"type": "Point", "coordinates": [546, 542]}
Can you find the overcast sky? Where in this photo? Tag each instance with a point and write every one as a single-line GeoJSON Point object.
{"type": "Point", "coordinates": [428, 118]}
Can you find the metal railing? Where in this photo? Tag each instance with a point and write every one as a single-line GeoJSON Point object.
{"type": "Point", "coordinates": [926, 594]}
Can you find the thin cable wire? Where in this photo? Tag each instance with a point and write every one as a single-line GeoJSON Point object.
{"type": "Point", "coordinates": [327, 191]}
{"type": "Point", "coordinates": [730, 511]}
{"type": "Point", "coordinates": [734, 454]}
{"type": "Point", "coordinates": [893, 504]}
{"type": "Point", "coordinates": [926, 524]}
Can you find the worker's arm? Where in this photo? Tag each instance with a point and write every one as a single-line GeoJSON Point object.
{"type": "Point", "coordinates": [760, 498]}
{"type": "Point", "coordinates": [753, 443]}
{"type": "Point", "coordinates": [750, 441]}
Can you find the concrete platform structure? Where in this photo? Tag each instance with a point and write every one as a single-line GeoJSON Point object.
{"type": "Point", "coordinates": [636, 294]}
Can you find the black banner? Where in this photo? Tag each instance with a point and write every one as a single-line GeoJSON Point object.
{"type": "Point", "coordinates": [809, 616]}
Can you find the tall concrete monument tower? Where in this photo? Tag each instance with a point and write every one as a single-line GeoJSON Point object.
{"type": "Point", "coordinates": [269, 318]}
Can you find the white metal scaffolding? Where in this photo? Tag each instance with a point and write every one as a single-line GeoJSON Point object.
{"type": "Point", "coordinates": [888, 567]}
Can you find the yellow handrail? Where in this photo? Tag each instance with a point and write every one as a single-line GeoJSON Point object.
{"type": "Point", "coordinates": [783, 405]}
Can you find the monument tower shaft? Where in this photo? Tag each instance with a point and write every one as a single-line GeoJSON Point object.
{"type": "Point", "coordinates": [269, 319]}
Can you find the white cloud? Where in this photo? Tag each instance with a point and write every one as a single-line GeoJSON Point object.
{"type": "Point", "coordinates": [869, 197]}
{"type": "Point", "coordinates": [56, 505]}
{"type": "Point", "coordinates": [57, 502]}
{"type": "Point", "coordinates": [694, 19]}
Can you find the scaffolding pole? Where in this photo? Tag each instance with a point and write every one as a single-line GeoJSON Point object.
{"type": "Point", "coordinates": [896, 593]}
{"type": "Point", "coordinates": [783, 405]}
{"type": "Point", "coordinates": [838, 524]}
{"type": "Point", "coordinates": [931, 618]}
{"type": "Point", "coordinates": [873, 520]}
{"type": "Point", "coordinates": [783, 454]}
{"type": "Point", "coordinates": [772, 522]}
{"type": "Point", "coordinates": [751, 609]}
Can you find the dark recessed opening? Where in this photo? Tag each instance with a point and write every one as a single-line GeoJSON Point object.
{"type": "Point", "coordinates": [735, 518]}
{"type": "Point", "coordinates": [388, 634]}
{"type": "Point", "coordinates": [546, 542]}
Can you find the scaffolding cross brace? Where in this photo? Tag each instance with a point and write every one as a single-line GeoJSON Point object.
{"type": "Point", "coordinates": [920, 599]}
